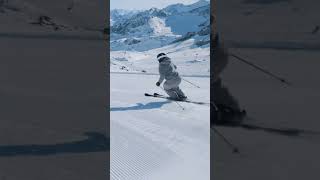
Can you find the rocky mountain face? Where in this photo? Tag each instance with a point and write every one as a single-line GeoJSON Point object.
{"type": "Point", "coordinates": [158, 27]}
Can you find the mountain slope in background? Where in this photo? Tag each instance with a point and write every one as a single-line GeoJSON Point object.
{"type": "Point", "coordinates": [117, 15]}
{"type": "Point", "coordinates": [156, 28]}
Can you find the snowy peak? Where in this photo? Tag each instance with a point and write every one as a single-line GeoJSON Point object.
{"type": "Point", "coordinates": [200, 3]}
{"type": "Point", "coordinates": [155, 27]}
{"type": "Point", "coordinates": [120, 14]}
{"type": "Point", "coordinates": [124, 22]}
{"type": "Point", "coordinates": [128, 23]}
{"type": "Point", "coordinates": [159, 27]}
{"type": "Point", "coordinates": [181, 8]}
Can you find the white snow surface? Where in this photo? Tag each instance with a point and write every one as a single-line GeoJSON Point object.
{"type": "Point", "coordinates": [190, 61]}
{"type": "Point", "coordinates": [154, 138]}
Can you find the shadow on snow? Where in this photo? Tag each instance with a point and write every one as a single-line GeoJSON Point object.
{"type": "Point", "coordinates": [141, 106]}
{"type": "Point", "coordinates": [95, 142]}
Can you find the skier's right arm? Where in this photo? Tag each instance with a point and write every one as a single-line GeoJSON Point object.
{"type": "Point", "coordinates": [161, 78]}
{"type": "Point", "coordinates": [162, 75]}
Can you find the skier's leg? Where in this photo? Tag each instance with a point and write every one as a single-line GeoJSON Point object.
{"type": "Point", "coordinates": [168, 87]}
{"type": "Point", "coordinates": [172, 88]}
{"type": "Point", "coordinates": [177, 89]}
{"type": "Point", "coordinates": [228, 111]}
{"type": "Point", "coordinates": [222, 96]}
{"type": "Point", "coordinates": [180, 93]}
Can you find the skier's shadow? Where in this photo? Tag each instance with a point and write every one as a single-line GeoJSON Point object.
{"type": "Point", "coordinates": [95, 142]}
{"type": "Point", "coordinates": [292, 132]}
{"type": "Point", "coordinates": [141, 106]}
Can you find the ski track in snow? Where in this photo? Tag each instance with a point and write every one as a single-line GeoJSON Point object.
{"type": "Point", "coordinates": [152, 137]}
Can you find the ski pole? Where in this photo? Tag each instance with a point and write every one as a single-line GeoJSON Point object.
{"type": "Point", "coordinates": [214, 106]}
{"type": "Point", "coordinates": [233, 147]}
{"type": "Point", "coordinates": [261, 69]}
{"type": "Point", "coordinates": [190, 83]}
{"type": "Point", "coordinates": [174, 101]}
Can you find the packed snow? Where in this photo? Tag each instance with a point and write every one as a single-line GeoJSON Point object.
{"type": "Point", "coordinates": [154, 138]}
{"type": "Point", "coordinates": [190, 61]}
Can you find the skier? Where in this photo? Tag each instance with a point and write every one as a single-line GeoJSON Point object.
{"type": "Point", "coordinates": [228, 109]}
{"type": "Point", "coordinates": [168, 72]}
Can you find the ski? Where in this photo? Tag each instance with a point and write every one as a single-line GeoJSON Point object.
{"type": "Point", "coordinates": [156, 95]}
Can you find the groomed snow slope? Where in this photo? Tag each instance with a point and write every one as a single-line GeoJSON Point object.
{"type": "Point", "coordinates": [154, 138]}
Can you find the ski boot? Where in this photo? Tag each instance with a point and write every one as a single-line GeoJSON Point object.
{"type": "Point", "coordinates": [227, 116]}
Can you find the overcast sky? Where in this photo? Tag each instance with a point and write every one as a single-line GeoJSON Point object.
{"type": "Point", "coordinates": [145, 4]}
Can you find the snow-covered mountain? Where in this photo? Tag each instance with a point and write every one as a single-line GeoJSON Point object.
{"type": "Point", "coordinates": [117, 15]}
{"type": "Point", "coordinates": [154, 28]}
{"type": "Point", "coordinates": [180, 8]}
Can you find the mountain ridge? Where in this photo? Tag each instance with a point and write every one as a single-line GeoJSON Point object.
{"type": "Point", "coordinates": [158, 27]}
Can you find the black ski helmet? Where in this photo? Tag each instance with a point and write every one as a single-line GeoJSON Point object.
{"type": "Point", "coordinates": [160, 56]}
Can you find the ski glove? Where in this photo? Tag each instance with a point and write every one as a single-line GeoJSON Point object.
{"type": "Point", "coordinates": [158, 84]}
